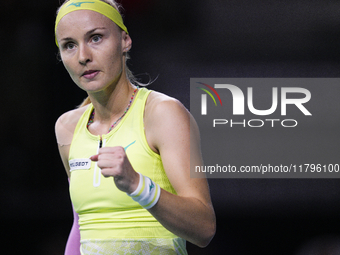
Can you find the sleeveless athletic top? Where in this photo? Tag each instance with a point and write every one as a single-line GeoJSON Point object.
{"type": "Point", "coordinates": [110, 222]}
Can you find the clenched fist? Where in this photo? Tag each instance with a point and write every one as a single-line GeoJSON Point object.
{"type": "Point", "coordinates": [113, 162]}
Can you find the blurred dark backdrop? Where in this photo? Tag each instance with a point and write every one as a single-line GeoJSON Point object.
{"type": "Point", "coordinates": [172, 40]}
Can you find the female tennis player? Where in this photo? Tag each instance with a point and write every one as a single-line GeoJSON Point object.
{"type": "Point", "coordinates": [126, 150]}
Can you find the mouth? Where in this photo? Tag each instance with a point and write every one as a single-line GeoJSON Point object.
{"type": "Point", "coordinates": [90, 74]}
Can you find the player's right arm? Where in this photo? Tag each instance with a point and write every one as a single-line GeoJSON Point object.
{"type": "Point", "coordinates": [64, 129]}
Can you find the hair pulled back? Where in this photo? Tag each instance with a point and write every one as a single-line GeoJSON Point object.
{"type": "Point", "coordinates": [129, 74]}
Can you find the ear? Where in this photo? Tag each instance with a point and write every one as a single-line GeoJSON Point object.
{"type": "Point", "coordinates": [126, 42]}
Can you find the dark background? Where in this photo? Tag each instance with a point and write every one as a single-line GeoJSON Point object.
{"type": "Point", "coordinates": [174, 41]}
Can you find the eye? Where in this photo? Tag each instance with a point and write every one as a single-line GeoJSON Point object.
{"type": "Point", "coordinates": [69, 46]}
{"type": "Point", "coordinates": [96, 38]}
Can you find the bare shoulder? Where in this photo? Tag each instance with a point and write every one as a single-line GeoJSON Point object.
{"type": "Point", "coordinates": [167, 121]}
{"type": "Point", "coordinates": [66, 124]}
{"type": "Point", "coordinates": [162, 106]}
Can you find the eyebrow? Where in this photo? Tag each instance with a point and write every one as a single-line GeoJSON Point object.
{"type": "Point", "coordinates": [86, 34]}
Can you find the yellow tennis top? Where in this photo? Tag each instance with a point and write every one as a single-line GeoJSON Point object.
{"type": "Point", "coordinates": [109, 220]}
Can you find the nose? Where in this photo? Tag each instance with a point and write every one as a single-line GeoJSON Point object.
{"type": "Point", "coordinates": [85, 55]}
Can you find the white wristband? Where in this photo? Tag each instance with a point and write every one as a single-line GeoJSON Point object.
{"type": "Point", "coordinates": [147, 193]}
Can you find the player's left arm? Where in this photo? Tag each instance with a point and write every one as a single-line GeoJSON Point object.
{"type": "Point", "coordinates": [170, 129]}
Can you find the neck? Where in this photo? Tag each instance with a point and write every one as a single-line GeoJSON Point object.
{"type": "Point", "coordinates": [112, 102]}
